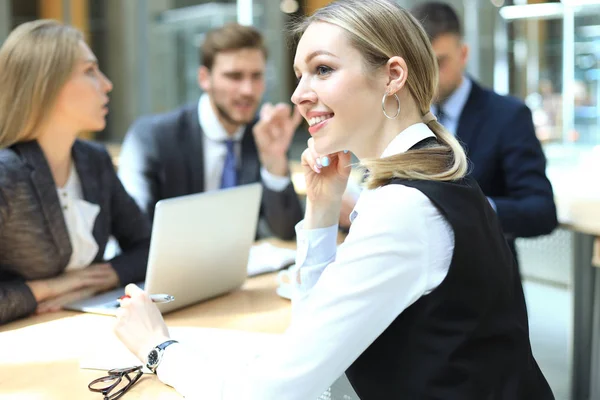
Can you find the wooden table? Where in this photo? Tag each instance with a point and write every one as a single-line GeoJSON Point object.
{"type": "Point", "coordinates": [40, 355]}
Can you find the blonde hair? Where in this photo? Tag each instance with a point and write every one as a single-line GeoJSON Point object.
{"type": "Point", "coordinates": [379, 30]}
{"type": "Point", "coordinates": [36, 61]}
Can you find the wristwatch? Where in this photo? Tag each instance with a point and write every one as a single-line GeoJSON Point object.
{"type": "Point", "coordinates": [156, 355]}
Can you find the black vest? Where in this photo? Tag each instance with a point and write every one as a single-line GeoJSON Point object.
{"type": "Point", "coordinates": [469, 338]}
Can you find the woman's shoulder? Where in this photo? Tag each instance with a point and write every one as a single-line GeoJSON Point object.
{"type": "Point", "coordinates": [402, 211]}
{"type": "Point", "coordinates": [90, 148]}
{"type": "Point", "coordinates": [13, 172]}
{"type": "Point", "coordinates": [93, 155]}
{"type": "Point", "coordinates": [12, 167]}
{"type": "Point", "coordinates": [395, 202]}
{"type": "Point", "coordinates": [94, 163]}
{"type": "Point", "coordinates": [395, 196]}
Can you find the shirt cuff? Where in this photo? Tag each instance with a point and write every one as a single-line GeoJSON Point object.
{"type": "Point", "coordinates": [316, 249]}
{"type": "Point", "coordinates": [274, 182]}
{"type": "Point", "coordinates": [493, 204]}
{"type": "Point", "coordinates": [180, 370]}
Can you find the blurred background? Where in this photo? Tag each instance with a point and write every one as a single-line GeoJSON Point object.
{"type": "Point", "coordinates": [545, 52]}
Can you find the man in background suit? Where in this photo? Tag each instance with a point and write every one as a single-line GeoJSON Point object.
{"type": "Point", "coordinates": [497, 132]}
{"type": "Point", "coordinates": [218, 142]}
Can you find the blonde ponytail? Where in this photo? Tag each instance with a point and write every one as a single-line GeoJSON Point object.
{"type": "Point", "coordinates": [460, 165]}
{"type": "Point", "coordinates": [442, 161]}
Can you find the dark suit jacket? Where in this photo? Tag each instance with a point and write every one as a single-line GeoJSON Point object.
{"type": "Point", "coordinates": [34, 241]}
{"type": "Point", "coordinates": [162, 157]}
{"type": "Point", "coordinates": [508, 162]}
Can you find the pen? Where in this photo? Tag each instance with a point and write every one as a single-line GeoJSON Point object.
{"type": "Point", "coordinates": [156, 298]}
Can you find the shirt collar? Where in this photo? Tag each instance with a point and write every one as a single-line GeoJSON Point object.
{"type": "Point", "coordinates": [209, 122]}
{"type": "Point", "coordinates": [454, 104]}
{"type": "Point", "coordinates": [407, 139]}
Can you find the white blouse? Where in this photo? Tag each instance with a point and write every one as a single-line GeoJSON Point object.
{"type": "Point", "coordinates": [399, 248]}
{"type": "Point", "coordinates": [80, 217]}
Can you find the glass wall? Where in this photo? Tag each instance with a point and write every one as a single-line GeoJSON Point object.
{"type": "Point", "coordinates": [150, 48]}
{"type": "Point", "coordinates": [586, 88]}
{"type": "Point", "coordinates": [549, 55]}
{"type": "Point", "coordinates": [183, 29]}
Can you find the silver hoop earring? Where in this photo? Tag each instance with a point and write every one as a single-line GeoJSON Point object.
{"type": "Point", "coordinates": [383, 106]}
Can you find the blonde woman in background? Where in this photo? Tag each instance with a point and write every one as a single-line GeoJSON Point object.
{"type": "Point", "coordinates": [60, 198]}
{"type": "Point", "coordinates": [423, 299]}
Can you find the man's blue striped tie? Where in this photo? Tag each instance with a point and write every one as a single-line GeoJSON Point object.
{"type": "Point", "coordinates": [229, 177]}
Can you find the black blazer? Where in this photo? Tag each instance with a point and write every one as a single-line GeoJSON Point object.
{"type": "Point", "coordinates": [162, 157]}
{"type": "Point", "coordinates": [34, 241]}
{"type": "Point", "coordinates": [508, 162]}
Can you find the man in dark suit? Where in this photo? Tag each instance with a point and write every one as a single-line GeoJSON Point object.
{"type": "Point", "coordinates": [497, 132]}
{"type": "Point", "coordinates": [218, 142]}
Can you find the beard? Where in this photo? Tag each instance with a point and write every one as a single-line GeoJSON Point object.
{"type": "Point", "coordinates": [226, 115]}
{"type": "Point", "coordinates": [444, 93]}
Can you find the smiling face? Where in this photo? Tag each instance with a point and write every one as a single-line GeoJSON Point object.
{"type": "Point", "coordinates": [336, 94]}
{"type": "Point", "coordinates": [82, 101]}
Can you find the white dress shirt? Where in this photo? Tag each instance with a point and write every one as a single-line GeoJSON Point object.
{"type": "Point", "coordinates": [215, 150]}
{"type": "Point", "coordinates": [399, 248]}
{"type": "Point", "coordinates": [80, 217]}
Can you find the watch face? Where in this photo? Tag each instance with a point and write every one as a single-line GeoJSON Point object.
{"type": "Point", "coordinates": [153, 357]}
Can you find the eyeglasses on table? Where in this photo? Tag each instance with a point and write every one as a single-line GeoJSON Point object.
{"type": "Point", "coordinates": [113, 386]}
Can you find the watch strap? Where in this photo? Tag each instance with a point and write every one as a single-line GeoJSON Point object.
{"type": "Point", "coordinates": [159, 350]}
{"type": "Point", "coordinates": [164, 345]}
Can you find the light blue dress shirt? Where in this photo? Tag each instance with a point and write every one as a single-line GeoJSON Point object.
{"type": "Point", "coordinates": [452, 109]}
{"type": "Point", "coordinates": [453, 106]}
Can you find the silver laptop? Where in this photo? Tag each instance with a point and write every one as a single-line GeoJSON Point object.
{"type": "Point", "coordinates": [198, 250]}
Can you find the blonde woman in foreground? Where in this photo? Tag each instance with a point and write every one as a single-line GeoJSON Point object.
{"type": "Point", "coordinates": [423, 300]}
